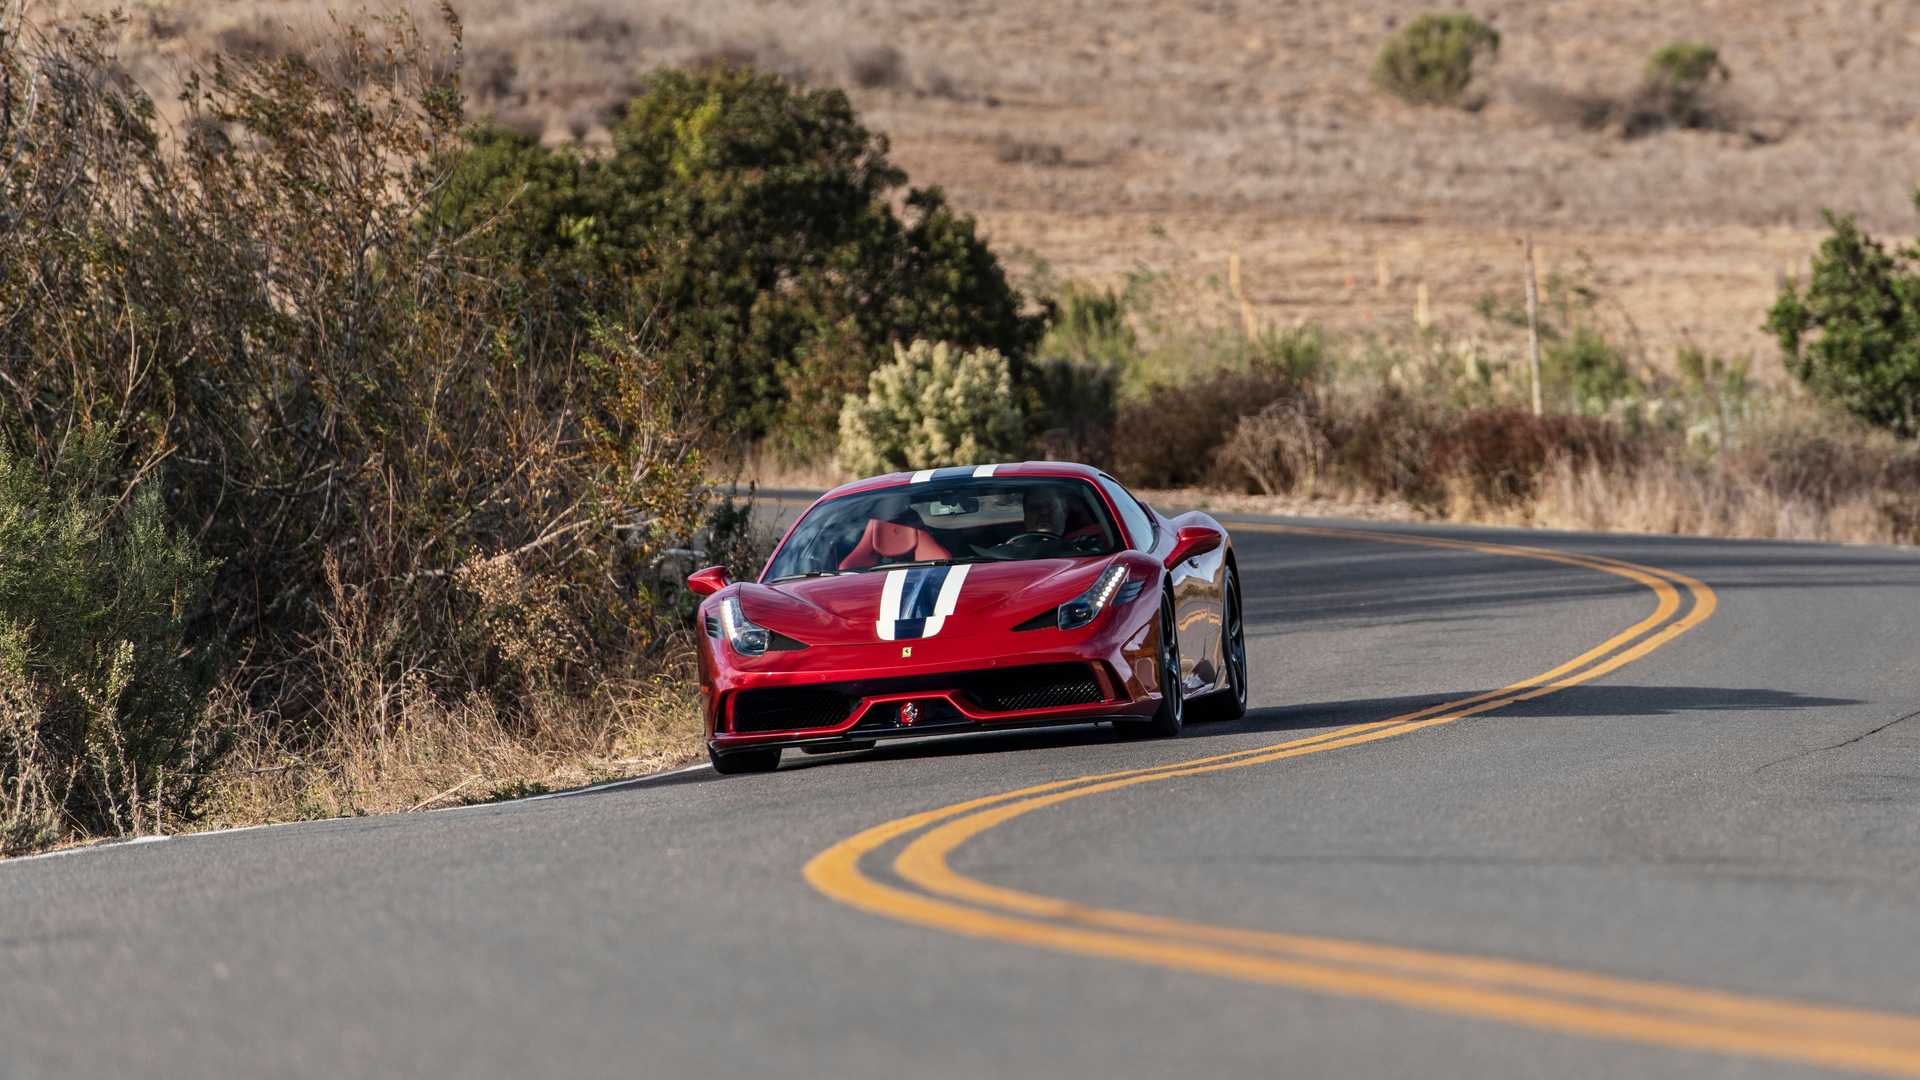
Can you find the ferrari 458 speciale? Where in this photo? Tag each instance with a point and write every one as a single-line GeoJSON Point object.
{"type": "Point", "coordinates": [970, 599]}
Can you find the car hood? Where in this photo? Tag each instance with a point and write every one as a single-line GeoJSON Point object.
{"type": "Point", "coordinates": [915, 602]}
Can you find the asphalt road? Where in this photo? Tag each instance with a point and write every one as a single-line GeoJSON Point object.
{"type": "Point", "coordinates": [1702, 860]}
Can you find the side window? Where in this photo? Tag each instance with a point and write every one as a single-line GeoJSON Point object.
{"type": "Point", "coordinates": [1139, 523]}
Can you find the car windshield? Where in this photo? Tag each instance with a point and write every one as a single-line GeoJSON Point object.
{"type": "Point", "coordinates": [949, 521]}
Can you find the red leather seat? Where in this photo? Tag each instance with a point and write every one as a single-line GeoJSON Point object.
{"type": "Point", "coordinates": [888, 540]}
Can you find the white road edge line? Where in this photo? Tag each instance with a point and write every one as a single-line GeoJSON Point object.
{"type": "Point", "coordinates": [137, 840]}
{"type": "Point", "coordinates": [571, 792]}
{"type": "Point", "coordinates": [129, 842]}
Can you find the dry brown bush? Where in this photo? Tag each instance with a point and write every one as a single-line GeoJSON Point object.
{"type": "Point", "coordinates": [1280, 450]}
{"type": "Point", "coordinates": [1381, 444]}
{"type": "Point", "coordinates": [876, 67]}
{"type": "Point", "coordinates": [1168, 436]}
{"type": "Point", "coordinates": [1495, 458]}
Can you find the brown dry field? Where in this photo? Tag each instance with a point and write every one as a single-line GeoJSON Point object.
{"type": "Point", "coordinates": [1105, 136]}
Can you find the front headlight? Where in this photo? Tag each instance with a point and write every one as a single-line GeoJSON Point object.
{"type": "Point", "coordinates": [746, 638]}
{"type": "Point", "coordinates": [1112, 587]}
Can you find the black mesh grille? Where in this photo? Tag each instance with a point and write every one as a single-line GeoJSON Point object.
{"type": "Point", "coordinates": [791, 708]}
{"type": "Point", "coordinates": [1048, 686]}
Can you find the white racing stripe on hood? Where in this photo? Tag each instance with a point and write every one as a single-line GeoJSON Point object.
{"type": "Point", "coordinates": [890, 604]}
{"type": "Point", "coordinates": [949, 598]}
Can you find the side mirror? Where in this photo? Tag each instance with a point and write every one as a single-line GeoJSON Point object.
{"type": "Point", "coordinates": [710, 581]}
{"type": "Point", "coordinates": [1192, 541]}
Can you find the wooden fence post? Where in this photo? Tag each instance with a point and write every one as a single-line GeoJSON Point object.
{"type": "Point", "coordinates": [1533, 323]}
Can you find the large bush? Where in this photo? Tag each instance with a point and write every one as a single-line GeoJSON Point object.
{"type": "Point", "coordinates": [343, 400]}
{"type": "Point", "coordinates": [102, 690]}
{"type": "Point", "coordinates": [1433, 60]}
{"type": "Point", "coordinates": [935, 405]}
{"type": "Point", "coordinates": [755, 222]}
{"type": "Point", "coordinates": [1853, 334]}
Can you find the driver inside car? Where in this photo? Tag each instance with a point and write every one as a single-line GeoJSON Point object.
{"type": "Point", "coordinates": [1047, 511]}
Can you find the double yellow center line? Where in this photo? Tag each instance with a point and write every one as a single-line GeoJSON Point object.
{"type": "Point", "coordinates": [931, 893]}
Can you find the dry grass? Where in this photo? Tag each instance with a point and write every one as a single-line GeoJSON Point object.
{"type": "Point", "coordinates": [412, 751]}
{"type": "Point", "coordinates": [1667, 497]}
{"type": "Point", "coordinates": [389, 742]}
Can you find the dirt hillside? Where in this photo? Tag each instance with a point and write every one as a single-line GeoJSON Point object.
{"type": "Point", "coordinates": [1104, 136]}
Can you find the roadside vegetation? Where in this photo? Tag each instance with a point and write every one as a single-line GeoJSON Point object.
{"type": "Point", "coordinates": [353, 448]}
{"type": "Point", "coordinates": [1436, 424]}
{"type": "Point", "coordinates": [320, 496]}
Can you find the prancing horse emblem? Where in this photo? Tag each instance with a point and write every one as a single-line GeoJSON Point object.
{"type": "Point", "coordinates": [906, 651]}
{"type": "Point", "coordinates": [909, 714]}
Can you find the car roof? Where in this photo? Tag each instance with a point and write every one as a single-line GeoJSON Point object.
{"type": "Point", "coordinates": [956, 472]}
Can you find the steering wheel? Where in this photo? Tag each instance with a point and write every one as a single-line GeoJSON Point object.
{"type": "Point", "coordinates": [1028, 537]}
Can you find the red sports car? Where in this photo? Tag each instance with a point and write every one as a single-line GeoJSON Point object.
{"type": "Point", "coordinates": [970, 599]}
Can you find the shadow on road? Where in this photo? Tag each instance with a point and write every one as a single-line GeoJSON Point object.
{"type": "Point", "coordinates": [1599, 703]}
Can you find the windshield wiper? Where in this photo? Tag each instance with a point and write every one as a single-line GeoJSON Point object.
{"type": "Point", "coordinates": [810, 574]}
{"type": "Point", "coordinates": [915, 564]}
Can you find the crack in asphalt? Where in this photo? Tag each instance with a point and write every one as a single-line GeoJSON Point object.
{"type": "Point", "coordinates": [1842, 744]}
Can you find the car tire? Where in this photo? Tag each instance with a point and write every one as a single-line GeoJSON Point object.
{"type": "Point", "coordinates": [1231, 703]}
{"type": "Point", "coordinates": [1167, 720]}
{"type": "Point", "coordinates": [735, 762]}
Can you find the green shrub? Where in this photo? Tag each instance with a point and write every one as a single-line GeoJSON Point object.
{"type": "Point", "coordinates": [103, 725]}
{"type": "Point", "coordinates": [1678, 90]}
{"type": "Point", "coordinates": [1074, 408]}
{"type": "Point", "coordinates": [1719, 387]}
{"type": "Point", "coordinates": [1853, 335]}
{"type": "Point", "coordinates": [1074, 383]}
{"type": "Point", "coordinates": [1685, 65]}
{"type": "Point", "coordinates": [1090, 326]}
{"type": "Point", "coordinates": [754, 223]}
{"type": "Point", "coordinates": [1302, 353]}
{"type": "Point", "coordinates": [936, 404]}
{"type": "Point", "coordinates": [1587, 371]}
{"type": "Point", "coordinates": [1432, 61]}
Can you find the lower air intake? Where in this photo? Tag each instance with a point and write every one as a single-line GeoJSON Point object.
{"type": "Point", "coordinates": [1045, 686]}
{"type": "Point", "coordinates": [789, 709]}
